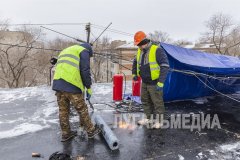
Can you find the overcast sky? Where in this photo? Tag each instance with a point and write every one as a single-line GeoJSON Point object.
{"type": "Point", "coordinates": [182, 19]}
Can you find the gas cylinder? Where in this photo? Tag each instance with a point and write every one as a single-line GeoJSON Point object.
{"type": "Point", "coordinates": [136, 87]}
{"type": "Point", "coordinates": [117, 87]}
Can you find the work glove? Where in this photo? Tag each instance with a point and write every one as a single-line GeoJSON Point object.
{"type": "Point", "coordinates": [135, 78]}
{"type": "Point", "coordinates": [89, 93]}
{"type": "Point", "coordinates": [159, 86]}
{"type": "Point", "coordinates": [53, 61]}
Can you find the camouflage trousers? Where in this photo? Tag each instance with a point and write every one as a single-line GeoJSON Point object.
{"type": "Point", "coordinates": [152, 100]}
{"type": "Point", "coordinates": [64, 99]}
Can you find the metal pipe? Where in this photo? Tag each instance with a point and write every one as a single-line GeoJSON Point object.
{"type": "Point", "coordinates": [107, 133]}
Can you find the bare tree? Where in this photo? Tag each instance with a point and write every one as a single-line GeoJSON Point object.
{"type": "Point", "coordinates": [60, 44]}
{"type": "Point", "coordinates": [4, 24]}
{"type": "Point", "coordinates": [233, 42]}
{"type": "Point", "coordinates": [101, 47]}
{"type": "Point", "coordinates": [182, 42]}
{"type": "Point", "coordinates": [222, 33]}
{"type": "Point", "coordinates": [18, 63]}
{"type": "Point", "coordinates": [159, 36]}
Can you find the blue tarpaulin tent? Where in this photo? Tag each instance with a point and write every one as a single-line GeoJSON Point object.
{"type": "Point", "coordinates": [196, 74]}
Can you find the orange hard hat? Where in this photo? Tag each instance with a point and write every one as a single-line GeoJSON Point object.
{"type": "Point", "coordinates": [138, 37]}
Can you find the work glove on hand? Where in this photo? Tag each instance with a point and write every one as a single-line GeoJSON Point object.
{"type": "Point", "coordinates": [159, 86]}
{"type": "Point", "coordinates": [53, 61]}
{"type": "Point", "coordinates": [89, 93]}
{"type": "Point", "coordinates": [135, 78]}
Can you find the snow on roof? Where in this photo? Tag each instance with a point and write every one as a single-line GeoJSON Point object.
{"type": "Point", "coordinates": [200, 45]}
{"type": "Point", "coordinates": [128, 45]}
{"type": "Point", "coordinates": [32, 109]}
{"type": "Point", "coordinates": [189, 46]}
{"type": "Point", "coordinates": [204, 45]}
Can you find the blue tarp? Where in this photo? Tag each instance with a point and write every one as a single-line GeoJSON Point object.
{"type": "Point", "coordinates": [182, 86]}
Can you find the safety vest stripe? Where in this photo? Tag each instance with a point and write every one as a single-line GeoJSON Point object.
{"type": "Point", "coordinates": [68, 62]}
{"type": "Point", "coordinates": [153, 63]}
{"type": "Point", "coordinates": [70, 56]}
{"type": "Point", "coordinates": [150, 62]}
{"type": "Point", "coordinates": [154, 68]}
{"type": "Point", "coordinates": [164, 65]}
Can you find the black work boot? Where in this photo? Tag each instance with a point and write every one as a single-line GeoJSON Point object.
{"type": "Point", "coordinates": [95, 132]}
{"type": "Point", "coordinates": [68, 136]}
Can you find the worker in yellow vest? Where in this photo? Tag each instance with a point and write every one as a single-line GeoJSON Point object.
{"type": "Point", "coordinates": [151, 64]}
{"type": "Point", "coordinates": [72, 75]}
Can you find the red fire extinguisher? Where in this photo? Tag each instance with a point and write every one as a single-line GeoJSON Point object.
{"type": "Point", "coordinates": [136, 87]}
{"type": "Point", "coordinates": [117, 87]}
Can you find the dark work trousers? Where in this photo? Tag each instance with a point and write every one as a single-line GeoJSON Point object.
{"type": "Point", "coordinates": [64, 99]}
{"type": "Point", "coordinates": [152, 100]}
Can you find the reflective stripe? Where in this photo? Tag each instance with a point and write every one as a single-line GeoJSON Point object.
{"type": "Point", "coordinates": [153, 63]}
{"type": "Point", "coordinates": [164, 65]}
{"type": "Point", "coordinates": [150, 58]}
{"type": "Point", "coordinates": [160, 84]}
{"type": "Point", "coordinates": [140, 59]}
{"type": "Point", "coordinates": [70, 56]}
{"type": "Point", "coordinates": [146, 59]}
{"type": "Point", "coordinates": [154, 69]}
{"type": "Point", "coordinates": [68, 62]}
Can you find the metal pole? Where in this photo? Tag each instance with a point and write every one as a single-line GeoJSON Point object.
{"type": "Point", "coordinates": [88, 29]}
{"type": "Point", "coordinates": [107, 68]}
{"type": "Point", "coordinates": [50, 75]}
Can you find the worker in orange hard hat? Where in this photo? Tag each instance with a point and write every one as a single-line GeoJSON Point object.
{"type": "Point", "coordinates": [151, 64]}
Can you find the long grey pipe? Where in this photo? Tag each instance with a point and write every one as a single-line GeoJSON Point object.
{"type": "Point", "coordinates": [107, 133]}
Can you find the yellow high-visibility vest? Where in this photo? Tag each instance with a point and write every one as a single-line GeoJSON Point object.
{"type": "Point", "coordinates": [68, 66]}
{"type": "Point", "coordinates": [154, 67]}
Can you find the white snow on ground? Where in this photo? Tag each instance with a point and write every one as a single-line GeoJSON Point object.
{"type": "Point", "coordinates": [229, 151]}
{"type": "Point", "coordinates": [212, 152]}
{"type": "Point", "coordinates": [27, 110]}
{"type": "Point", "coordinates": [229, 147]}
{"type": "Point", "coordinates": [8, 95]}
{"type": "Point", "coordinates": [226, 151]}
{"type": "Point", "coordinates": [22, 129]}
{"type": "Point", "coordinates": [200, 100]}
{"type": "Point", "coordinates": [180, 157]}
{"type": "Point", "coordinates": [201, 156]}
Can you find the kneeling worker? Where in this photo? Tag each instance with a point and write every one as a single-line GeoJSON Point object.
{"type": "Point", "coordinates": [72, 75]}
{"type": "Point", "coordinates": [151, 64]}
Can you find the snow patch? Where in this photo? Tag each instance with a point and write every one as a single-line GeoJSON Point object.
{"type": "Point", "coordinates": [212, 152]}
{"type": "Point", "coordinates": [10, 95]}
{"type": "Point", "coordinates": [31, 109]}
{"type": "Point", "coordinates": [200, 100]}
{"type": "Point", "coordinates": [22, 129]}
{"type": "Point", "coordinates": [201, 156]}
{"type": "Point", "coordinates": [226, 151]}
{"type": "Point", "coordinates": [102, 89]}
{"type": "Point", "coordinates": [180, 157]}
{"type": "Point", "coordinates": [37, 104]}
{"type": "Point", "coordinates": [230, 147]}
